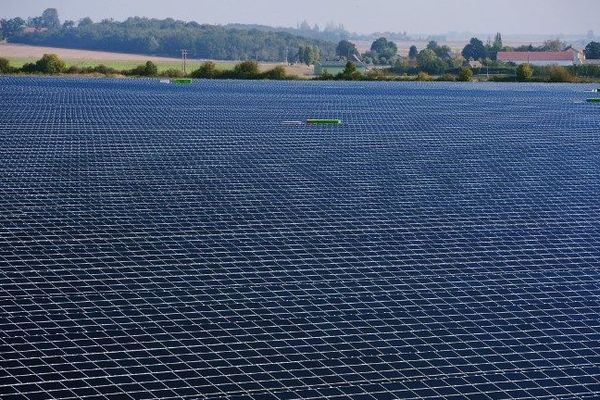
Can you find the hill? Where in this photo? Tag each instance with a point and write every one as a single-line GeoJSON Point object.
{"type": "Point", "coordinates": [167, 37]}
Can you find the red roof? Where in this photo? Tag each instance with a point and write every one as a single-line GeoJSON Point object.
{"type": "Point", "coordinates": [30, 29]}
{"type": "Point", "coordinates": [566, 55]}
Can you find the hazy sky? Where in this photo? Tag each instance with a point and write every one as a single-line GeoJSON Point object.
{"type": "Point", "coordinates": [413, 16]}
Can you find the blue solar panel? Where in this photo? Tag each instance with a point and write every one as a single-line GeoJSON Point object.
{"type": "Point", "coordinates": [163, 242]}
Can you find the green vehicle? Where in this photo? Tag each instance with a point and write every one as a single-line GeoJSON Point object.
{"type": "Point", "coordinates": [324, 121]}
{"type": "Point", "coordinates": [181, 81]}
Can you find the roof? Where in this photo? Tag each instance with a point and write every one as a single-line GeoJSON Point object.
{"type": "Point", "coordinates": [566, 55]}
{"type": "Point", "coordinates": [31, 29]}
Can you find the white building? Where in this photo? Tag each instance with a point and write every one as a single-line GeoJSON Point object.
{"type": "Point", "coordinates": [564, 58]}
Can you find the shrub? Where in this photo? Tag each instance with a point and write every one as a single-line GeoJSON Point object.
{"type": "Point", "coordinates": [29, 68]}
{"type": "Point", "coordinates": [326, 76]}
{"type": "Point", "coordinates": [586, 70]}
{"type": "Point", "coordinates": [560, 74]}
{"type": "Point", "coordinates": [148, 69]}
{"type": "Point", "coordinates": [375, 74]}
{"type": "Point", "coordinates": [246, 70]}
{"type": "Point", "coordinates": [50, 64]}
{"type": "Point", "coordinates": [137, 71]}
{"type": "Point", "coordinates": [465, 74]}
{"type": "Point", "coordinates": [423, 76]}
{"type": "Point", "coordinates": [172, 73]}
{"type": "Point", "coordinates": [207, 70]}
{"type": "Point", "coordinates": [524, 72]}
{"type": "Point", "coordinates": [4, 66]}
{"type": "Point", "coordinates": [277, 73]}
{"type": "Point", "coordinates": [103, 69]}
{"type": "Point", "coordinates": [74, 69]}
{"type": "Point", "coordinates": [447, 78]}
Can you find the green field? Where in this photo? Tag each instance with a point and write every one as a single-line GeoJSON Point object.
{"type": "Point", "coordinates": [121, 64]}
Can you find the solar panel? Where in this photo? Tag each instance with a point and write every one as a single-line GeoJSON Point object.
{"type": "Point", "coordinates": [162, 242]}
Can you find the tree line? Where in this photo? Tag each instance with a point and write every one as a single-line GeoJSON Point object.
{"type": "Point", "coordinates": [51, 64]}
{"type": "Point", "coordinates": [436, 59]}
{"type": "Point", "coordinates": [164, 37]}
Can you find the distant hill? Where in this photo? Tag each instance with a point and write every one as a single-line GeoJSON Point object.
{"type": "Point", "coordinates": [168, 36]}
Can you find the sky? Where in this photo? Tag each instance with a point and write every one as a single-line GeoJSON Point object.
{"type": "Point", "coordinates": [363, 16]}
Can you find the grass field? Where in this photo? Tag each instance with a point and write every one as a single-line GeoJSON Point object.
{"type": "Point", "coordinates": [20, 54]}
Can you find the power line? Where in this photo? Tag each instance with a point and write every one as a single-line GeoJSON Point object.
{"type": "Point", "coordinates": [184, 53]}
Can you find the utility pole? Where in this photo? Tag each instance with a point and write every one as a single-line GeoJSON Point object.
{"type": "Point", "coordinates": [184, 53]}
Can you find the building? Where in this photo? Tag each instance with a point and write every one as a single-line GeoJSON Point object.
{"type": "Point", "coordinates": [564, 58]}
{"type": "Point", "coordinates": [475, 64]}
{"type": "Point", "coordinates": [31, 29]}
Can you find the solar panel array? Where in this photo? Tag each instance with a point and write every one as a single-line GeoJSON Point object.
{"type": "Point", "coordinates": [162, 242]}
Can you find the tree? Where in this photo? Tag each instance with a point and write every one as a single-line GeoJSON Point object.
{"type": "Point", "coordinates": [592, 51]}
{"type": "Point", "coordinates": [304, 26]}
{"type": "Point", "coordinates": [308, 54]}
{"type": "Point", "coordinates": [429, 62]}
{"type": "Point", "coordinates": [384, 48]}
{"type": "Point", "coordinates": [50, 64]}
{"type": "Point", "coordinates": [85, 22]}
{"type": "Point", "coordinates": [440, 51]}
{"type": "Point", "coordinates": [50, 18]}
{"type": "Point", "coordinates": [493, 49]}
{"type": "Point", "coordinates": [475, 50]}
{"type": "Point", "coordinates": [4, 66]}
{"type": "Point", "coordinates": [302, 54]}
{"type": "Point", "coordinates": [432, 45]}
{"type": "Point", "coordinates": [346, 49]}
{"type": "Point", "coordinates": [150, 69]}
{"type": "Point", "coordinates": [12, 26]}
{"type": "Point", "coordinates": [497, 46]}
{"type": "Point", "coordinates": [524, 72]}
{"type": "Point", "coordinates": [68, 24]}
{"type": "Point", "coordinates": [349, 69]}
{"type": "Point", "coordinates": [350, 72]}
{"type": "Point", "coordinates": [465, 74]}
{"type": "Point", "coordinates": [412, 52]}
{"type": "Point", "coordinates": [553, 45]}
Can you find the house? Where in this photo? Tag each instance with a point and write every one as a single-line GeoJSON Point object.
{"type": "Point", "coordinates": [564, 58]}
{"type": "Point", "coordinates": [31, 29]}
{"type": "Point", "coordinates": [475, 64]}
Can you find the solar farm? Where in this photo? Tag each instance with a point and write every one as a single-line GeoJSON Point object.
{"type": "Point", "coordinates": [193, 242]}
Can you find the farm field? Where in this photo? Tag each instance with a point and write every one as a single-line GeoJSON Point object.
{"type": "Point", "coordinates": [20, 54]}
{"type": "Point", "coordinates": [200, 241]}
